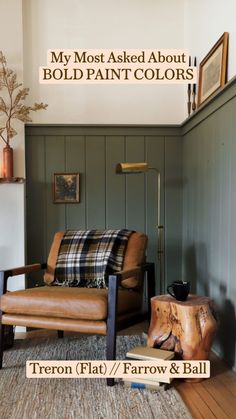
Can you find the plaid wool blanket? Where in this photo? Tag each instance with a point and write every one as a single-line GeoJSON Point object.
{"type": "Point", "coordinates": [86, 257]}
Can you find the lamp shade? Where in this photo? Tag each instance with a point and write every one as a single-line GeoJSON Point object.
{"type": "Point", "coordinates": [131, 167]}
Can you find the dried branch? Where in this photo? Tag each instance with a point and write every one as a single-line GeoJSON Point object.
{"type": "Point", "coordinates": [13, 107]}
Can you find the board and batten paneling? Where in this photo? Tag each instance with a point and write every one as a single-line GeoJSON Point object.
{"type": "Point", "coordinates": [173, 207]}
{"type": "Point", "coordinates": [107, 199]}
{"type": "Point", "coordinates": [74, 159]}
{"type": "Point", "coordinates": [115, 185]}
{"type": "Point", "coordinates": [209, 212]}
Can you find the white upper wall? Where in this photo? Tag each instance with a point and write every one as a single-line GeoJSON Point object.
{"type": "Point", "coordinates": [11, 44]}
{"type": "Point", "coordinates": [104, 24]}
{"type": "Point", "coordinates": [205, 22]}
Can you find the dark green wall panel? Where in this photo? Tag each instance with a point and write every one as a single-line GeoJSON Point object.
{"type": "Point", "coordinates": [209, 216]}
{"type": "Point", "coordinates": [95, 182]}
{"type": "Point", "coordinates": [36, 187]}
{"type": "Point", "coordinates": [75, 162]}
{"type": "Point", "coordinates": [155, 159]}
{"type": "Point", "coordinates": [54, 163]}
{"type": "Point", "coordinates": [173, 207]}
{"type": "Point", "coordinates": [115, 184]}
{"type": "Point", "coordinates": [36, 245]}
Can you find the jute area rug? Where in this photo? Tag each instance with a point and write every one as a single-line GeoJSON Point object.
{"type": "Point", "coordinates": [85, 398]}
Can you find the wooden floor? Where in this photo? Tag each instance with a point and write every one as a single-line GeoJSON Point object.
{"type": "Point", "coordinates": [212, 398]}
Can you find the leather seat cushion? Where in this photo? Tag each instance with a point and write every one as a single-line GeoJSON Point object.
{"type": "Point", "coordinates": [134, 256]}
{"type": "Point", "coordinates": [65, 302]}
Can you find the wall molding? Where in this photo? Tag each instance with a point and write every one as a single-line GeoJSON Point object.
{"type": "Point", "coordinates": [213, 104]}
{"type": "Point", "coordinates": [55, 129]}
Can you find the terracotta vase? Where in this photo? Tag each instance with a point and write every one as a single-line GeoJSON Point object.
{"type": "Point", "coordinates": [8, 162]}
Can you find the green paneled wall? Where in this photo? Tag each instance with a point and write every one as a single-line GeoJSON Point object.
{"type": "Point", "coordinates": [107, 199]}
{"type": "Point", "coordinates": [209, 211]}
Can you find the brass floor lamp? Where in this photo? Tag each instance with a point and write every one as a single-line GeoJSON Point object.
{"type": "Point", "coordinates": [126, 168]}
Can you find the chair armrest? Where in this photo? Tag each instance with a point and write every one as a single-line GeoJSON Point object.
{"type": "Point", "coordinates": [137, 270]}
{"type": "Point", "coordinates": [149, 267]}
{"type": "Point", "coordinates": [4, 275]}
{"type": "Point", "coordinates": [25, 269]}
{"type": "Point", "coordinates": [128, 273]}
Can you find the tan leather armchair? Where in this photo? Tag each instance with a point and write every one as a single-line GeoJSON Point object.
{"type": "Point", "coordinates": [85, 310]}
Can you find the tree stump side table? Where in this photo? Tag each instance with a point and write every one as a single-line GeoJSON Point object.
{"type": "Point", "coordinates": [185, 327]}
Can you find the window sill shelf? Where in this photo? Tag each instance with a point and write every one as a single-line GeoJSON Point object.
{"type": "Point", "coordinates": [12, 180]}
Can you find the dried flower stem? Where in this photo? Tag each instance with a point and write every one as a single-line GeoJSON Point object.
{"type": "Point", "coordinates": [14, 108]}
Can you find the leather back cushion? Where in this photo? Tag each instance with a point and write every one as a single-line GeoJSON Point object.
{"type": "Point", "coordinates": [134, 256]}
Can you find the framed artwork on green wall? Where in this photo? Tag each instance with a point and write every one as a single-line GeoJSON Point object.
{"type": "Point", "coordinates": [66, 188]}
{"type": "Point", "coordinates": [213, 69]}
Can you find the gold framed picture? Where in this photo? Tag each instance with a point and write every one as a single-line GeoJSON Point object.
{"type": "Point", "coordinates": [66, 188]}
{"type": "Point", "coordinates": [213, 69]}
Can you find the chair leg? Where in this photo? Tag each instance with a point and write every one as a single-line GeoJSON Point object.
{"type": "Point", "coordinates": [1, 342]}
{"type": "Point", "coordinates": [3, 281]}
{"type": "Point", "coordinates": [111, 352]}
{"type": "Point", "coordinates": [111, 322]}
{"type": "Point", "coordinates": [60, 334]}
